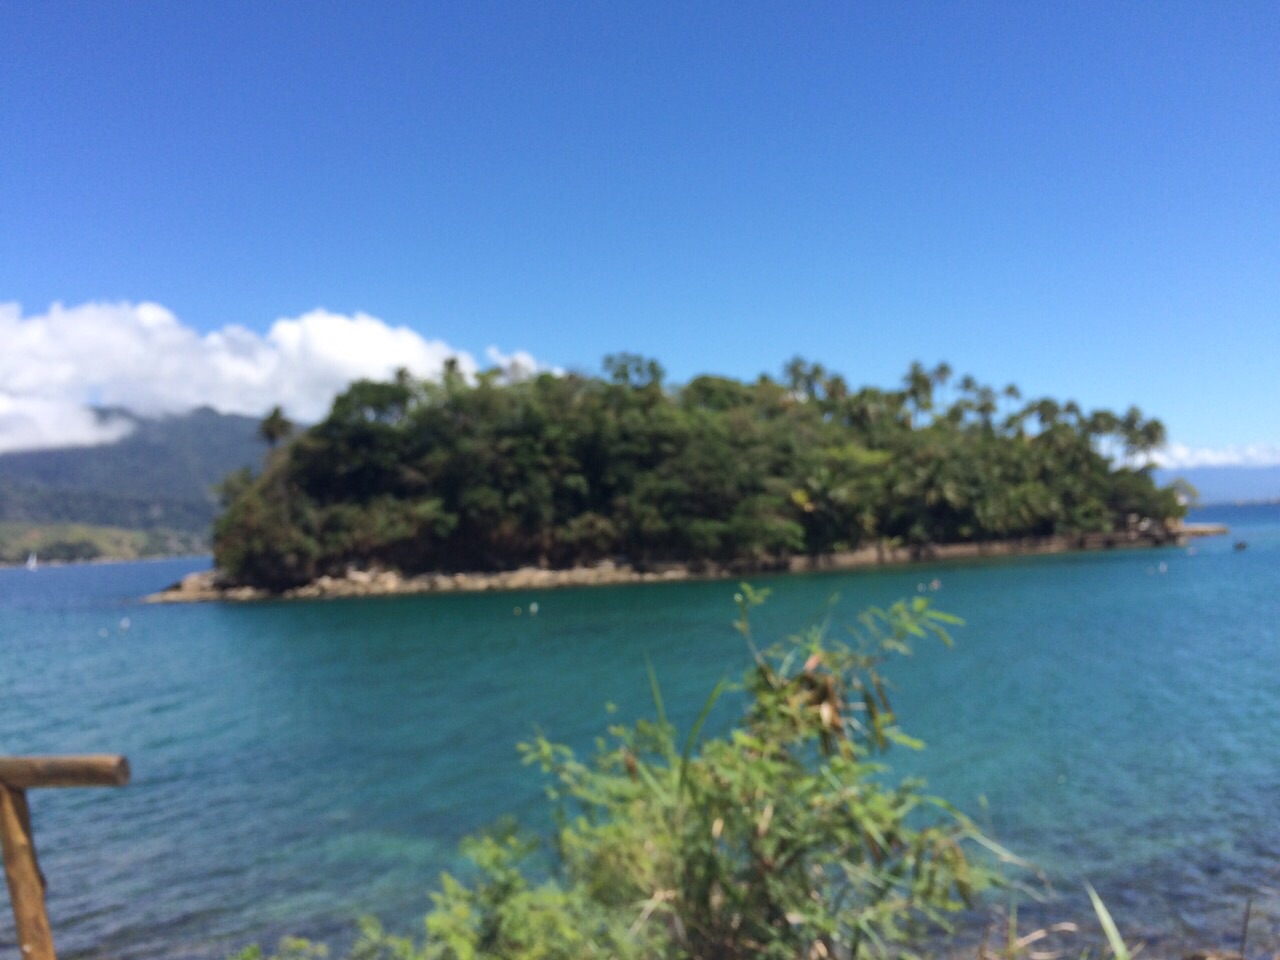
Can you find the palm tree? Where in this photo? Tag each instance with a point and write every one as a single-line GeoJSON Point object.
{"type": "Point", "coordinates": [919, 388]}
{"type": "Point", "coordinates": [1047, 412]}
{"type": "Point", "coordinates": [986, 406]}
{"type": "Point", "coordinates": [1151, 437]}
{"type": "Point", "coordinates": [1141, 437]}
{"type": "Point", "coordinates": [275, 427]}
{"type": "Point", "coordinates": [940, 375]}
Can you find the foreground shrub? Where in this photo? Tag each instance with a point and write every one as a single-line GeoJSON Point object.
{"type": "Point", "coordinates": [784, 837]}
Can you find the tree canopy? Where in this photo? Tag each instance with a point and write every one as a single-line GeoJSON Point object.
{"type": "Point", "coordinates": [566, 469]}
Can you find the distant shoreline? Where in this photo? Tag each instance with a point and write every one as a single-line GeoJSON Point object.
{"type": "Point", "coordinates": [101, 561]}
{"type": "Point", "coordinates": [1263, 502]}
{"type": "Point", "coordinates": [206, 586]}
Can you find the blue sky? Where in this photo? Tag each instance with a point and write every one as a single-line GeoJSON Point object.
{"type": "Point", "coordinates": [1080, 198]}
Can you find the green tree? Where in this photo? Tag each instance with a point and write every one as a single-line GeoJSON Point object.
{"type": "Point", "coordinates": [275, 427]}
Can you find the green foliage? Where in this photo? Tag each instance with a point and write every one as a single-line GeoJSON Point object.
{"type": "Point", "coordinates": [552, 470]}
{"type": "Point", "coordinates": [782, 837]}
{"type": "Point", "coordinates": [273, 544]}
{"type": "Point", "coordinates": [291, 948]}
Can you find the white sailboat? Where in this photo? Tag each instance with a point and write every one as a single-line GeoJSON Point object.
{"type": "Point", "coordinates": [32, 562]}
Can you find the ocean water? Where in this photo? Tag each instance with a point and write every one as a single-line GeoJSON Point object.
{"type": "Point", "coordinates": [1113, 717]}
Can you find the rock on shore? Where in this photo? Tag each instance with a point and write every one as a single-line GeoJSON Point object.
{"type": "Point", "coordinates": [210, 584]}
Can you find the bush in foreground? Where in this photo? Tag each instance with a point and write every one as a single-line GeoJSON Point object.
{"type": "Point", "coordinates": [784, 837]}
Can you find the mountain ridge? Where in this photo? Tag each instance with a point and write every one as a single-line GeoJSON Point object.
{"type": "Point", "coordinates": [1228, 484]}
{"type": "Point", "coordinates": [161, 476]}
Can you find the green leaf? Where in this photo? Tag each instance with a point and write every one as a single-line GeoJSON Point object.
{"type": "Point", "coordinates": [1116, 942]}
{"type": "Point", "coordinates": [655, 690]}
{"type": "Point", "coordinates": [898, 737]}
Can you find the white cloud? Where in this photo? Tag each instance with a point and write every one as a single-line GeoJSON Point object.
{"type": "Point", "coordinates": [33, 423]}
{"type": "Point", "coordinates": [516, 365]}
{"type": "Point", "coordinates": [54, 365]}
{"type": "Point", "coordinates": [1177, 455]}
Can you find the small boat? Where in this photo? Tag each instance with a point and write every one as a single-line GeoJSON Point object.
{"type": "Point", "coordinates": [32, 562]}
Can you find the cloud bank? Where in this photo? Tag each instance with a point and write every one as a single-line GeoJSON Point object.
{"type": "Point", "coordinates": [56, 366]}
{"type": "Point", "coordinates": [1178, 455]}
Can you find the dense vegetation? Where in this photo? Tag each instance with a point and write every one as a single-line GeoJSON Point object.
{"type": "Point", "coordinates": [782, 837]}
{"type": "Point", "coordinates": [568, 469]}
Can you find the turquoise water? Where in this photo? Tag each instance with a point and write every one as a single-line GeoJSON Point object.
{"type": "Point", "coordinates": [298, 765]}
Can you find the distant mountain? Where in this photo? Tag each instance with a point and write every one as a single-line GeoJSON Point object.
{"type": "Point", "coordinates": [1228, 484]}
{"type": "Point", "coordinates": [161, 476]}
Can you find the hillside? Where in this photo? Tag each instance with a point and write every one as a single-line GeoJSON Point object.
{"type": "Point", "coordinates": [77, 542]}
{"type": "Point", "coordinates": [161, 478]}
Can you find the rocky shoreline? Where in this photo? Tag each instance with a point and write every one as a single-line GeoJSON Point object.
{"type": "Point", "coordinates": [209, 585]}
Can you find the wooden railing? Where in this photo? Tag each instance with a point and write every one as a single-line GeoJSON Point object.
{"type": "Point", "coordinates": [21, 868]}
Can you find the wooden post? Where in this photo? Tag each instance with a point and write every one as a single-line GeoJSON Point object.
{"type": "Point", "coordinates": [17, 841]}
{"type": "Point", "coordinates": [26, 885]}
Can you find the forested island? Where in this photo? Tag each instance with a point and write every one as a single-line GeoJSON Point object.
{"type": "Point", "coordinates": [557, 471]}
